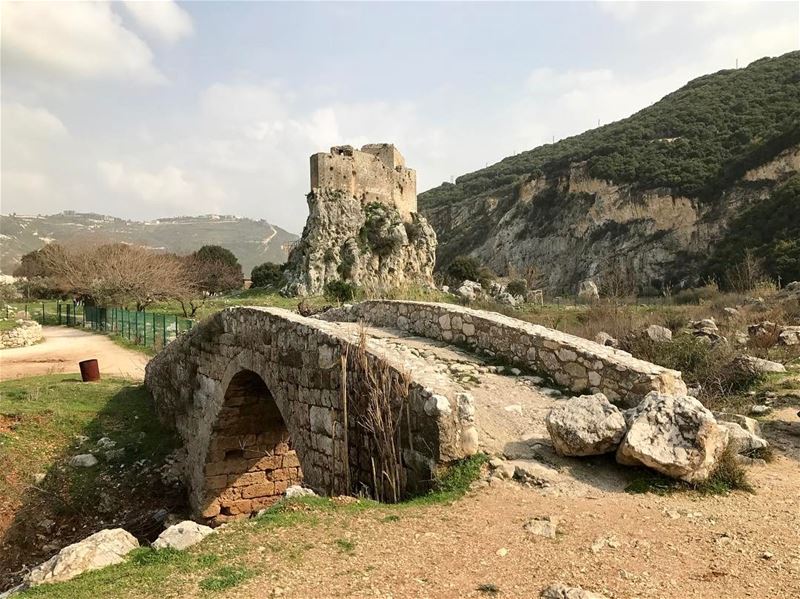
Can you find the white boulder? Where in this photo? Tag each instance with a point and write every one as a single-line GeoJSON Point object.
{"type": "Point", "coordinates": [99, 550]}
{"type": "Point", "coordinates": [674, 435]}
{"type": "Point", "coordinates": [83, 460]}
{"type": "Point", "coordinates": [588, 292]}
{"type": "Point", "coordinates": [658, 333]}
{"type": "Point", "coordinates": [755, 365]}
{"type": "Point", "coordinates": [182, 535]}
{"type": "Point", "coordinates": [299, 491]}
{"type": "Point", "coordinates": [585, 425]}
{"type": "Point", "coordinates": [469, 290]}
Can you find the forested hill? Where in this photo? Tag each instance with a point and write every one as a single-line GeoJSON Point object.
{"type": "Point", "coordinates": [694, 143]}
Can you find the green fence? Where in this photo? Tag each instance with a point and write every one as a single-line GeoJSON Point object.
{"type": "Point", "coordinates": [151, 329]}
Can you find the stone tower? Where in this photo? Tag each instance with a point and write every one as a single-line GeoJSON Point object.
{"type": "Point", "coordinates": [363, 227]}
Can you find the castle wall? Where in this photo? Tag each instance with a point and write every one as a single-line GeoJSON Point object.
{"type": "Point", "coordinates": [377, 173]}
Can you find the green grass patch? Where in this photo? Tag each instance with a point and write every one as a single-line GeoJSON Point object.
{"type": "Point", "coordinates": [345, 545]}
{"type": "Point", "coordinates": [226, 578]}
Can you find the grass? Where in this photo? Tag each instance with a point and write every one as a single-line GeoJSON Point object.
{"type": "Point", "coordinates": [225, 578]}
{"type": "Point", "coordinates": [43, 421]}
{"type": "Point", "coordinates": [345, 545]}
{"type": "Point", "coordinates": [728, 476]}
{"type": "Point", "coordinates": [8, 324]}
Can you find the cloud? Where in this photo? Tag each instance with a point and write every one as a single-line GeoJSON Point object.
{"type": "Point", "coordinates": [83, 40]}
{"type": "Point", "coordinates": [163, 19]}
{"type": "Point", "coordinates": [170, 185]}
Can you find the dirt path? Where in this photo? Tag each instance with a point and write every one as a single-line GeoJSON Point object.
{"type": "Point", "coordinates": [63, 348]}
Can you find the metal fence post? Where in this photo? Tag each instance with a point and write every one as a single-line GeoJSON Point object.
{"type": "Point", "coordinates": [144, 318]}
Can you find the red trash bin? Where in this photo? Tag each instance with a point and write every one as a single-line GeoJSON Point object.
{"type": "Point", "coordinates": [90, 371]}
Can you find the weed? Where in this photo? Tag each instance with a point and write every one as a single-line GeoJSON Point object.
{"type": "Point", "coordinates": [346, 545]}
{"type": "Point", "coordinates": [391, 518]}
{"type": "Point", "coordinates": [488, 588]}
{"type": "Point", "coordinates": [225, 578]}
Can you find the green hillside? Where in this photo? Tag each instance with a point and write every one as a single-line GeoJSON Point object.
{"type": "Point", "coordinates": [695, 140]}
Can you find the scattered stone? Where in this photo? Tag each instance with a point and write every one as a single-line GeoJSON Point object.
{"type": "Point", "coordinates": [588, 292]}
{"type": "Point", "coordinates": [674, 435]}
{"type": "Point", "coordinates": [502, 468]}
{"type": "Point", "coordinates": [760, 410]}
{"type": "Point", "coordinates": [766, 555]}
{"type": "Point", "coordinates": [604, 338]}
{"type": "Point", "coordinates": [789, 336]}
{"type": "Point", "coordinates": [741, 440]}
{"type": "Point", "coordinates": [106, 443]}
{"type": "Point", "coordinates": [515, 371]}
{"type": "Point", "coordinates": [751, 425]}
{"type": "Point", "coordinates": [469, 290]}
{"type": "Point", "coordinates": [544, 526]}
{"type": "Point", "coordinates": [182, 535]}
{"type": "Point", "coordinates": [658, 333]}
{"type": "Point", "coordinates": [114, 455]}
{"type": "Point", "coordinates": [706, 329]}
{"type": "Point", "coordinates": [559, 591]}
{"type": "Point", "coordinates": [99, 550]}
{"type": "Point", "coordinates": [586, 425]}
{"type": "Point", "coordinates": [39, 477]}
{"type": "Point", "coordinates": [83, 460]}
{"type": "Point", "coordinates": [502, 552]}
{"type": "Point", "coordinates": [764, 333]}
{"type": "Point", "coordinates": [754, 365]}
{"type": "Point", "coordinates": [601, 543]}
{"type": "Point", "coordinates": [299, 491]}
{"type": "Point", "coordinates": [731, 312]}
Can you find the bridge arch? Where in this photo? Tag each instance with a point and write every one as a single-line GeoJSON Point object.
{"type": "Point", "coordinates": [251, 459]}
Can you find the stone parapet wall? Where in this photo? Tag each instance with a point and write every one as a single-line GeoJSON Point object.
{"type": "Point", "coordinates": [572, 362]}
{"type": "Point", "coordinates": [298, 360]}
{"type": "Point", "coordinates": [26, 333]}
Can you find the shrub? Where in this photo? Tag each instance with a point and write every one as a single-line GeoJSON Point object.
{"type": "Point", "coordinates": [268, 274]}
{"type": "Point", "coordinates": [464, 268]}
{"type": "Point", "coordinates": [517, 287]}
{"type": "Point", "coordinates": [340, 291]}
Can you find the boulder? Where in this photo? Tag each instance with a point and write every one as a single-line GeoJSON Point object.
{"type": "Point", "coordinates": [764, 333]}
{"type": "Point", "coordinates": [585, 425]}
{"type": "Point", "coordinates": [789, 336]}
{"type": "Point", "coordinates": [741, 440]}
{"type": "Point", "coordinates": [604, 338]}
{"type": "Point", "coordinates": [182, 535]}
{"type": "Point", "coordinates": [504, 297]}
{"type": "Point", "coordinates": [705, 329]}
{"type": "Point", "coordinates": [99, 550]}
{"type": "Point", "coordinates": [674, 435]}
{"type": "Point", "coordinates": [751, 425]}
{"type": "Point", "coordinates": [587, 291]}
{"type": "Point", "coordinates": [469, 290]}
{"type": "Point", "coordinates": [83, 460]}
{"type": "Point", "coordinates": [658, 333]}
{"type": "Point", "coordinates": [299, 491]}
{"type": "Point", "coordinates": [560, 591]}
{"type": "Point", "coordinates": [753, 365]}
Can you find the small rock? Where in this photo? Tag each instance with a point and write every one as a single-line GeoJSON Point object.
{"type": "Point", "coordinates": [114, 455]}
{"type": "Point", "coordinates": [516, 408]}
{"type": "Point", "coordinates": [515, 371]}
{"type": "Point", "coordinates": [106, 443]}
{"type": "Point", "coordinates": [658, 333]}
{"type": "Point", "coordinates": [39, 477]}
{"type": "Point", "coordinates": [559, 591]}
{"type": "Point", "coordinates": [299, 491]}
{"type": "Point", "coordinates": [586, 425]}
{"type": "Point", "coordinates": [502, 552]}
{"type": "Point", "coordinates": [544, 526]}
{"type": "Point", "coordinates": [182, 535]}
{"type": "Point", "coordinates": [754, 365]}
{"type": "Point", "coordinates": [766, 555]}
{"type": "Point", "coordinates": [83, 460]}
{"type": "Point", "coordinates": [604, 338]}
{"type": "Point", "coordinates": [760, 410]}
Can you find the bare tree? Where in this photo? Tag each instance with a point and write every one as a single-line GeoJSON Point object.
{"type": "Point", "coordinates": [748, 274]}
{"type": "Point", "coordinates": [118, 274]}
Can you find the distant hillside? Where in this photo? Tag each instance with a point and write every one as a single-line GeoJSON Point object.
{"type": "Point", "coordinates": [650, 194]}
{"type": "Point", "coordinates": [253, 241]}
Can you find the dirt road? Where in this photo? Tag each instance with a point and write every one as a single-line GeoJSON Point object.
{"type": "Point", "coordinates": [61, 351]}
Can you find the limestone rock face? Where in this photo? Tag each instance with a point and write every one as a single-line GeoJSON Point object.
{"type": "Point", "coordinates": [585, 425]}
{"type": "Point", "coordinates": [182, 535]}
{"type": "Point", "coordinates": [99, 550]}
{"type": "Point", "coordinates": [674, 435]}
{"type": "Point", "coordinates": [367, 245]}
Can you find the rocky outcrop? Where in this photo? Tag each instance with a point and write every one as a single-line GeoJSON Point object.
{"type": "Point", "coordinates": [757, 366]}
{"type": "Point", "coordinates": [369, 246]}
{"type": "Point", "coordinates": [674, 435]}
{"type": "Point", "coordinates": [585, 425]}
{"type": "Point", "coordinates": [99, 550]}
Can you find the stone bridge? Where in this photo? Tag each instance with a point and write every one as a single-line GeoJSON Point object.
{"type": "Point", "coordinates": [256, 395]}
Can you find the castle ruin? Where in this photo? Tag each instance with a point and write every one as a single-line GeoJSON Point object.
{"type": "Point", "coordinates": [376, 173]}
{"type": "Point", "coordinates": [363, 227]}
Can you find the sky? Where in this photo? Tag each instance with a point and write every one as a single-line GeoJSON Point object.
{"type": "Point", "coordinates": [151, 109]}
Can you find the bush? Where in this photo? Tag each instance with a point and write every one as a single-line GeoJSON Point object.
{"type": "Point", "coordinates": [340, 291]}
{"type": "Point", "coordinates": [697, 295]}
{"type": "Point", "coordinates": [464, 268]}
{"type": "Point", "coordinates": [517, 287]}
{"type": "Point", "coordinates": [268, 274]}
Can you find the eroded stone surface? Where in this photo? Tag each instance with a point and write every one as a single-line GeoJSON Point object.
{"type": "Point", "coordinates": [585, 425]}
{"type": "Point", "coordinates": [182, 535]}
{"type": "Point", "coordinates": [674, 435]}
{"type": "Point", "coordinates": [99, 550]}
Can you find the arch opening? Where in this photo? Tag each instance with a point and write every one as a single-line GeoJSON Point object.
{"type": "Point", "coordinates": [251, 460]}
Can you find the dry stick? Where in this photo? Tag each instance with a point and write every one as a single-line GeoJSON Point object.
{"type": "Point", "coordinates": [343, 392]}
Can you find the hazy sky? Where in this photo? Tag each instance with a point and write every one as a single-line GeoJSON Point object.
{"type": "Point", "coordinates": [156, 109]}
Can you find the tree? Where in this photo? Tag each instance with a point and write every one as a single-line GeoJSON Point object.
{"type": "Point", "coordinates": [215, 269]}
{"type": "Point", "coordinates": [268, 274]}
{"type": "Point", "coordinates": [118, 274]}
